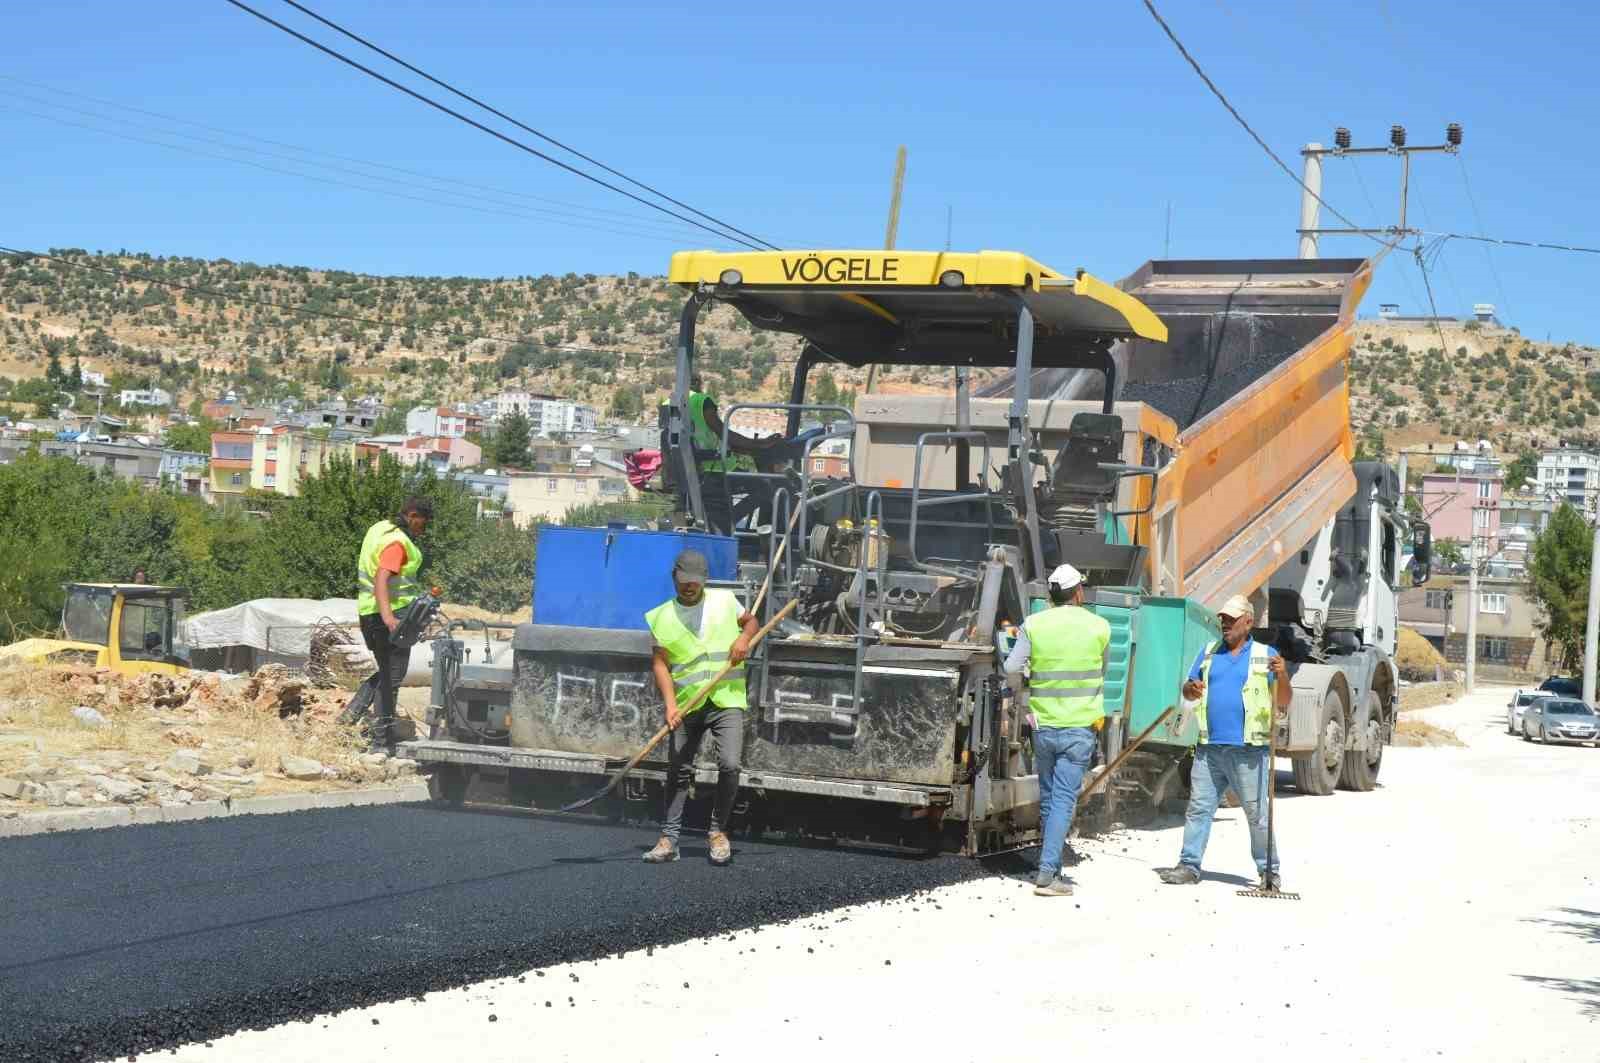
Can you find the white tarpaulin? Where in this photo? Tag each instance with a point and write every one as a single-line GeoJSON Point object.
{"type": "Point", "coordinates": [275, 625]}
{"type": "Point", "coordinates": [282, 628]}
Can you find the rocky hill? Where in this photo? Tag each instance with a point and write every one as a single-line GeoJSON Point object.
{"type": "Point", "coordinates": [608, 340]}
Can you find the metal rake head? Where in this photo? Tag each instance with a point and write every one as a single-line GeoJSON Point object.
{"type": "Point", "coordinates": [1270, 895]}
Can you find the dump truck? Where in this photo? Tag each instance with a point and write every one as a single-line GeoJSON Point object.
{"type": "Point", "coordinates": [126, 627]}
{"type": "Point", "coordinates": [1181, 436]}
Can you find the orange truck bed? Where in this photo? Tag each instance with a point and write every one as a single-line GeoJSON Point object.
{"type": "Point", "coordinates": [1254, 374]}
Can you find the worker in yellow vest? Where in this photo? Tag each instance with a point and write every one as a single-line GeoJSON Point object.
{"type": "Point", "coordinates": [386, 583]}
{"type": "Point", "coordinates": [1064, 649]}
{"type": "Point", "coordinates": [696, 633]}
{"type": "Point", "coordinates": [1234, 688]}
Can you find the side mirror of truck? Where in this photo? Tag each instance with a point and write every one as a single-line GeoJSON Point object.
{"type": "Point", "coordinates": [1419, 573]}
{"type": "Point", "coordinates": [1421, 544]}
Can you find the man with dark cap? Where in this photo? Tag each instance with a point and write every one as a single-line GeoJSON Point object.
{"type": "Point", "coordinates": [696, 634]}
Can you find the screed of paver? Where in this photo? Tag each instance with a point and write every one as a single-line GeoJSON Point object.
{"type": "Point", "coordinates": [1451, 914]}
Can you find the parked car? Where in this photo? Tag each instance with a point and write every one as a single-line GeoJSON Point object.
{"type": "Point", "coordinates": [1519, 702]}
{"type": "Point", "coordinates": [1560, 720]}
{"type": "Point", "coordinates": [1564, 685]}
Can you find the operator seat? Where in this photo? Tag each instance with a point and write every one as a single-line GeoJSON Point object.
{"type": "Point", "coordinates": [1078, 485]}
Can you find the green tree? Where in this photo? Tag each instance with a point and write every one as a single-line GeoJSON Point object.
{"type": "Point", "coordinates": [391, 422]}
{"type": "Point", "coordinates": [626, 403]}
{"type": "Point", "coordinates": [510, 441]}
{"type": "Point", "coordinates": [599, 514]}
{"type": "Point", "coordinates": [1522, 468]}
{"type": "Point", "coordinates": [824, 389]}
{"type": "Point", "coordinates": [194, 437]}
{"type": "Point", "coordinates": [1449, 552]}
{"type": "Point", "coordinates": [1558, 580]}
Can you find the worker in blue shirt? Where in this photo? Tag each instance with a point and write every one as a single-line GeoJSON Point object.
{"type": "Point", "coordinates": [1236, 686]}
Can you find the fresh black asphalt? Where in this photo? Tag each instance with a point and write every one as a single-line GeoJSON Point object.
{"type": "Point", "coordinates": [134, 938]}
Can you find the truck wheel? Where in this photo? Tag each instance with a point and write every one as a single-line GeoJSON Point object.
{"type": "Point", "coordinates": [1317, 773]}
{"type": "Point", "coordinates": [447, 785]}
{"type": "Point", "coordinates": [1361, 765]}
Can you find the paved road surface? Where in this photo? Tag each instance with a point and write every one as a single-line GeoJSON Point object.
{"type": "Point", "coordinates": [139, 937]}
{"type": "Point", "coordinates": [1454, 914]}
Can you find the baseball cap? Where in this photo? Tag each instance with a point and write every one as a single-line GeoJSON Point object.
{"type": "Point", "coordinates": [692, 566]}
{"type": "Point", "coordinates": [1066, 577]}
{"type": "Point", "coordinates": [1236, 607]}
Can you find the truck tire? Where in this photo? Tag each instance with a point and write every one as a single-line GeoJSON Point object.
{"type": "Point", "coordinates": [1361, 765]}
{"type": "Point", "coordinates": [1317, 772]}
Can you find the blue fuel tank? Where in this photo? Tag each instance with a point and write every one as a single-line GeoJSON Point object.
{"type": "Point", "coordinates": [610, 577]}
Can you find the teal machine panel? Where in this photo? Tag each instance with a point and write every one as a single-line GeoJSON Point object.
{"type": "Point", "coordinates": [1120, 609]}
{"type": "Point", "coordinates": [1171, 634]}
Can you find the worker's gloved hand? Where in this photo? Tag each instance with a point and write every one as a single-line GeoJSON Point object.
{"type": "Point", "coordinates": [1100, 724]}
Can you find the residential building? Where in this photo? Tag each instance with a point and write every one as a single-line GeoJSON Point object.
{"type": "Point", "coordinates": [360, 416]}
{"type": "Point", "coordinates": [442, 421]}
{"type": "Point", "coordinates": [271, 459]}
{"type": "Point", "coordinates": [1522, 518]}
{"type": "Point", "coordinates": [141, 465]}
{"type": "Point", "coordinates": [185, 472]}
{"type": "Point", "coordinates": [509, 402]}
{"type": "Point", "coordinates": [1510, 645]}
{"type": "Point", "coordinates": [145, 397]}
{"type": "Point", "coordinates": [1462, 507]}
{"type": "Point", "coordinates": [1572, 474]}
{"type": "Point", "coordinates": [93, 378]}
{"type": "Point", "coordinates": [549, 416]}
{"type": "Point", "coordinates": [491, 492]}
{"type": "Point", "coordinates": [443, 453]}
{"type": "Point", "coordinates": [537, 498]}
{"type": "Point", "coordinates": [830, 460]}
{"type": "Point", "coordinates": [230, 463]}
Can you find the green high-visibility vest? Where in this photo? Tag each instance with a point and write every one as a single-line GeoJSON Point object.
{"type": "Point", "coordinates": [1258, 701]}
{"type": "Point", "coordinates": [1066, 666]}
{"type": "Point", "coordinates": [702, 435]}
{"type": "Point", "coordinates": [403, 586]}
{"type": "Point", "coordinates": [695, 658]}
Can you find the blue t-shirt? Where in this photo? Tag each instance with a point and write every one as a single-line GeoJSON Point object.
{"type": "Point", "coordinates": [1225, 693]}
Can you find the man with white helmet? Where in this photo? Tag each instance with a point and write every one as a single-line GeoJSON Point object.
{"type": "Point", "coordinates": [1064, 648]}
{"type": "Point", "coordinates": [1236, 686]}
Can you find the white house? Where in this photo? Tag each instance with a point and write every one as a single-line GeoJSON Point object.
{"type": "Point", "coordinates": [145, 397]}
{"type": "Point", "coordinates": [441, 422]}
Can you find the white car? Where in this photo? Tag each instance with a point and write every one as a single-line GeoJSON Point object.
{"type": "Point", "coordinates": [1519, 705]}
{"type": "Point", "coordinates": [1560, 720]}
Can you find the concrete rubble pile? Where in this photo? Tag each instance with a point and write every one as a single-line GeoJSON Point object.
{"type": "Point", "coordinates": [175, 750]}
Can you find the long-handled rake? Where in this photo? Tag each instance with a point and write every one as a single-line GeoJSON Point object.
{"type": "Point", "coordinates": [1271, 891]}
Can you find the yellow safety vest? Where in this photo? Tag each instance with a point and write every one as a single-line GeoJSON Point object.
{"type": "Point", "coordinates": [403, 587]}
{"type": "Point", "coordinates": [1257, 695]}
{"type": "Point", "coordinates": [695, 659]}
{"type": "Point", "coordinates": [1066, 662]}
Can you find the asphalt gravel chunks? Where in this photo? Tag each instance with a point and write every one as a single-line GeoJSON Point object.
{"type": "Point", "coordinates": [136, 938]}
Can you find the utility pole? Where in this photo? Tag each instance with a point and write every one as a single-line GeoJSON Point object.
{"type": "Point", "coordinates": [1591, 631]}
{"type": "Point", "coordinates": [1310, 207]}
{"type": "Point", "coordinates": [892, 232]}
{"type": "Point", "coordinates": [1472, 611]}
{"type": "Point", "coordinates": [1310, 230]}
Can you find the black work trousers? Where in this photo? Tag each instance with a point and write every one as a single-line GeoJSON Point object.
{"type": "Point", "coordinates": [726, 727]}
{"type": "Point", "coordinates": [392, 664]}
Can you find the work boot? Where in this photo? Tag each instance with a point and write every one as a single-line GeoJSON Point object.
{"type": "Point", "coordinates": [1182, 875]}
{"type": "Point", "coordinates": [1271, 882]}
{"type": "Point", "coordinates": [721, 848]}
{"type": "Point", "coordinates": [1056, 887]}
{"type": "Point", "coordinates": [665, 852]}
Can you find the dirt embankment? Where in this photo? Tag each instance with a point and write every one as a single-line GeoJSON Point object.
{"type": "Point", "coordinates": [80, 737]}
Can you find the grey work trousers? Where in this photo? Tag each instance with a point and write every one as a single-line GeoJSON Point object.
{"type": "Point", "coordinates": [727, 729]}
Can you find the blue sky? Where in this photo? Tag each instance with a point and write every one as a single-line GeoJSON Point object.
{"type": "Point", "coordinates": [1057, 129]}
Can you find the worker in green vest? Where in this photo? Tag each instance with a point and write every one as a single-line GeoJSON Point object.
{"type": "Point", "coordinates": [1234, 688]}
{"type": "Point", "coordinates": [705, 437]}
{"type": "Point", "coordinates": [696, 633]}
{"type": "Point", "coordinates": [386, 579]}
{"type": "Point", "coordinates": [1064, 649]}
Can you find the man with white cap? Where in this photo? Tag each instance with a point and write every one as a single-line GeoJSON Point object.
{"type": "Point", "coordinates": [1236, 685]}
{"type": "Point", "coordinates": [1064, 648]}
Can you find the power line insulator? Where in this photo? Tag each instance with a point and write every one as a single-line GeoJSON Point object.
{"type": "Point", "coordinates": [1341, 138]}
{"type": "Point", "coordinates": [1397, 135]}
{"type": "Point", "coordinates": [1452, 134]}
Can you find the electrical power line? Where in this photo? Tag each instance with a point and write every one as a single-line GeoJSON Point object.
{"type": "Point", "coordinates": [520, 125]}
{"type": "Point", "coordinates": [1515, 243]}
{"type": "Point", "coordinates": [506, 210]}
{"type": "Point", "coordinates": [1173, 37]}
{"type": "Point", "coordinates": [369, 163]}
{"type": "Point", "coordinates": [1488, 256]}
{"type": "Point", "coordinates": [494, 132]}
{"type": "Point", "coordinates": [232, 297]}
